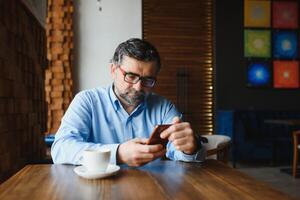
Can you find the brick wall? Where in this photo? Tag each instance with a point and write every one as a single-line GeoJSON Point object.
{"type": "Point", "coordinates": [59, 53]}
{"type": "Point", "coordinates": [22, 99]}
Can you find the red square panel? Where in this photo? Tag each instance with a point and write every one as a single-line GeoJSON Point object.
{"type": "Point", "coordinates": [286, 74]}
{"type": "Point", "coordinates": [285, 14]}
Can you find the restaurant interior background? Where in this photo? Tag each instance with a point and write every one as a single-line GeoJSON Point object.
{"type": "Point", "coordinates": [43, 65]}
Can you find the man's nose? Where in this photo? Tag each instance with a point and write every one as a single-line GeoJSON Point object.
{"type": "Point", "coordinates": [138, 86]}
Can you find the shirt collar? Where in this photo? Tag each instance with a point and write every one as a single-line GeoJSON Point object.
{"type": "Point", "coordinates": [115, 101]}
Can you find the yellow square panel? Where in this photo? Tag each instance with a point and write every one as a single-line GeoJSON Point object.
{"type": "Point", "coordinates": [257, 13]}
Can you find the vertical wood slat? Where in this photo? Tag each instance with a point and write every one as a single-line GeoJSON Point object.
{"type": "Point", "coordinates": [22, 99]}
{"type": "Point", "coordinates": [183, 33]}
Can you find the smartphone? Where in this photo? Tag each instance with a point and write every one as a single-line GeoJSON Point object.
{"type": "Point", "coordinates": [155, 135]}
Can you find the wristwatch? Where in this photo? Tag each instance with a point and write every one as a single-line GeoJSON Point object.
{"type": "Point", "coordinates": [200, 140]}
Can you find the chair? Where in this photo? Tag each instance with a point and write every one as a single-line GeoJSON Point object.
{"type": "Point", "coordinates": [217, 147]}
{"type": "Point", "coordinates": [296, 135]}
{"type": "Point", "coordinates": [49, 139]}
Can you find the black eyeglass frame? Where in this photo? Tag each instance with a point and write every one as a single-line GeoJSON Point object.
{"type": "Point", "coordinates": [146, 81]}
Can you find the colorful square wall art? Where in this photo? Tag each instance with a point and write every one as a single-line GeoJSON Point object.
{"type": "Point", "coordinates": [257, 43]}
{"type": "Point", "coordinates": [257, 13]}
{"type": "Point", "coordinates": [259, 74]}
{"type": "Point", "coordinates": [285, 14]}
{"type": "Point", "coordinates": [285, 44]}
{"type": "Point", "coordinates": [286, 74]}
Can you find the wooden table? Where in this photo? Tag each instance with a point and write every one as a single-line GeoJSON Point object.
{"type": "Point", "coordinates": [157, 180]}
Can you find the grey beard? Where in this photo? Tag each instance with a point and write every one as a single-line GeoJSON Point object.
{"type": "Point", "coordinates": [134, 99]}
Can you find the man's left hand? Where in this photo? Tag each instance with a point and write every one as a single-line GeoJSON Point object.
{"type": "Point", "coordinates": [181, 135]}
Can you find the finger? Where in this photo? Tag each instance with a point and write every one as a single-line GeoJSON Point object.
{"type": "Point", "coordinates": [141, 162]}
{"type": "Point", "coordinates": [180, 126]}
{"type": "Point", "coordinates": [147, 157]}
{"type": "Point", "coordinates": [182, 147]}
{"type": "Point", "coordinates": [185, 140]}
{"type": "Point", "coordinates": [143, 140]}
{"type": "Point", "coordinates": [136, 140]}
{"type": "Point", "coordinates": [180, 142]}
{"type": "Point", "coordinates": [175, 128]}
{"type": "Point", "coordinates": [186, 147]}
{"type": "Point", "coordinates": [143, 158]}
{"type": "Point", "coordinates": [166, 133]}
{"type": "Point", "coordinates": [140, 140]}
{"type": "Point", "coordinates": [160, 153]}
{"type": "Point", "coordinates": [177, 135]}
{"type": "Point", "coordinates": [175, 120]}
{"type": "Point", "coordinates": [150, 148]}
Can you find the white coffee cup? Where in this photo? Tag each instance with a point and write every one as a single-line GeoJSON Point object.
{"type": "Point", "coordinates": [96, 160]}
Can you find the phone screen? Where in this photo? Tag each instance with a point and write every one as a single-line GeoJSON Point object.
{"type": "Point", "coordinates": [155, 135]}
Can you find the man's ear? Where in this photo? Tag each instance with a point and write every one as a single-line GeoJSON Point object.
{"type": "Point", "coordinates": [113, 69]}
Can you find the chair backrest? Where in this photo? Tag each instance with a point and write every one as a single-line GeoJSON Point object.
{"type": "Point", "coordinates": [296, 137]}
{"type": "Point", "coordinates": [217, 147]}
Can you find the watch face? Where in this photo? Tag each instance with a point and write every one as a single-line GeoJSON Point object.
{"type": "Point", "coordinates": [201, 139]}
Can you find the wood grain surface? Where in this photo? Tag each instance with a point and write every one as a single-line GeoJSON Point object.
{"type": "Point", "coordinates": [157, 180]}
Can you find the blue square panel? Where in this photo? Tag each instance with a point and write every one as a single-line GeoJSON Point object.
{"type": "Point", "coordinates": [259, 74]}
{"type": "Point", "coordinates": [285, 45]}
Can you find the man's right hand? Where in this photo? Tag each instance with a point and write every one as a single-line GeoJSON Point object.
{"type": "Point", "coordinates": [135, 152]}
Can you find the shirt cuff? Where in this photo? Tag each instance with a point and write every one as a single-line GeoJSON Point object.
{"type": "Point", "coordinates": [113, 152]}
{"type": "Point", "coordinates": [174, 154]}
{"type": "Point", "coordinates": [199, 156]}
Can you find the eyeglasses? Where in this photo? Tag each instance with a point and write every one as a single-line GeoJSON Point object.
{"type": "Point", "coordinates": [133, 78]}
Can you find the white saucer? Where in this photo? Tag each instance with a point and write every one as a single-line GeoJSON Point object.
{"type": "Point", "coordinates": [82, 172]}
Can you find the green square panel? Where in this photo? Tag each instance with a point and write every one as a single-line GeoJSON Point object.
{"type": "Point", "coordinates": [257, 43]}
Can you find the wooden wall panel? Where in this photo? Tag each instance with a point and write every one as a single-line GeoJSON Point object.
{"type": "Point", "coordinates": [58, 80]}
{"type": "Point", "coordinates": [22, 97]}
{"type": "Point", "coordinates": [183, 33]}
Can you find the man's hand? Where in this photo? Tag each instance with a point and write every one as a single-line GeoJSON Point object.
{"type": "Point", "coordinates": [181, 135]}
{"type": "Point", "coordinates": [135, 152]}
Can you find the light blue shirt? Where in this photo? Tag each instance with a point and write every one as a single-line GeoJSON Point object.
{"type": "Point", "coordinates": [96, 119]}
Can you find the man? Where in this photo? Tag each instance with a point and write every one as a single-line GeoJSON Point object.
{"type": "Point", "coordinates": [122, 116]}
